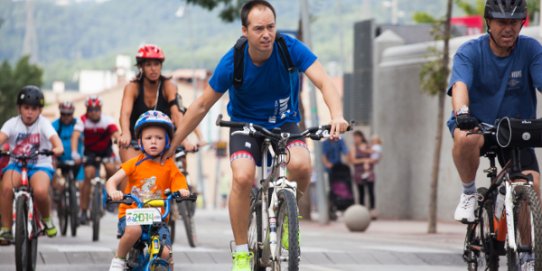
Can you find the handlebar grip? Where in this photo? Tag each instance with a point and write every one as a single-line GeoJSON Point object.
{"type": "Point", "coordinates": [192, 197]}
{"type": "Point", "coordinates": [224, 123]}
{"type": "Point", "coordinates": [46, 152]}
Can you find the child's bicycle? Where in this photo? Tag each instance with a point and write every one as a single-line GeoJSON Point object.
{"type": "Point", "coordinates": [145, 254]}
{"type": "Point", "coordinates": [27, 224]}
{"type": "Point", "coordinates": [273, 233]}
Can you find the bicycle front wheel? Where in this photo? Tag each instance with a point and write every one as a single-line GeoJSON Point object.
{"type": "Point", "coordinates": [62, 212]}
{"type": "Point", "coordinates": [527, 229]}
{"type": "Point", "coordinates": [255, 229]}
{"type": "Point", "coordinates": [23, 244]}
{"type": "Point", "coordinates": [288, 251]}
{"type": "Point", "coordinates": [188, 221]}
{"type": "Point", "coordinates": [96, 213]}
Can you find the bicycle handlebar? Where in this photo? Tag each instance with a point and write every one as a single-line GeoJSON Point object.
{"type": "Point", "coordinates": [129, 199]}
{"type": "Point", "coordinates": [26, 157]}
{"type": "Point", "coordinates": [314, 133]}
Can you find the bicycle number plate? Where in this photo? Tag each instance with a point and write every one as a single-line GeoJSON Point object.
{"type": "Point", "coordinates": [143, 216]}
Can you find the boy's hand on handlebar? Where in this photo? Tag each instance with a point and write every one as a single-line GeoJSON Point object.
{"type": "Point", "coordinates": [184, 193]}
{"type": "Point", "coordinates": [338, 126]}
{"type": "Point", "coordinates": [116, 195]}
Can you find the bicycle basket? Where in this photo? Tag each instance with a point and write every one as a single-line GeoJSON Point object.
{"type": "Point", "coordinates": [519, 132]}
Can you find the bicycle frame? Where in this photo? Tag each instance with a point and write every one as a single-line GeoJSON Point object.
{"type": "Point", "coordinates": [277, 181]}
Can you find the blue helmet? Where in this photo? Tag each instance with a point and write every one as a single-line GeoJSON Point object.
{"type": "Point", "coordinates": [154, 118]}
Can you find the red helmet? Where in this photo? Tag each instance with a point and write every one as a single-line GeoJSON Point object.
{"type": "Point", "coordinates": [66, 107]}
{"type": "Point", "coordinates": [149, 51]}
{"type": "Point", "coordinates": [93, 101]}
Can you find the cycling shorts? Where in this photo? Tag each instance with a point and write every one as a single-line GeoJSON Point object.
{"type": "Point", "coordinates": [90, 157]}
{"type": "Point", "coordinates": [31, 170]}
{"type": "Point", "coordinates": [163, 231]}
{"type": "Point", "coordinates": [245, 146]}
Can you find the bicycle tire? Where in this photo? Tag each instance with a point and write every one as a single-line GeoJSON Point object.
{"type": "Point", "coordinates": [74, 208]}
{"type": "Point", "coordinates": [526, 195]}
{"type": "Point", "coordinates": [62, 212]}
{"type": "Point", "coordinates": [287, 208]}
{"type": "Point", "coordinates": [22, 243]}
{"type": "Point", "coordinates": [188, 221]}
{"type": "Point", "coordinates": [172, 225]}
{"type": "Point", "coordinates": [255, 229]}
{"type": "Point", "coordinates": [96, 211]}
{"type": "Point", "coordinates": [487, 230]}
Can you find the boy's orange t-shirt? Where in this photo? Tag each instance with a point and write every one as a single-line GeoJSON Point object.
{"type": "Point", "coordinates": [150, 177]}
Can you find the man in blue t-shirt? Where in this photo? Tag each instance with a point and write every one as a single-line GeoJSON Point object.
{"type": "Point", "coordinates": [493, 76]}
{"type": "Point", "coordinates": [64, 127]}
{"type": "Point", "coordinates": [268, 97]}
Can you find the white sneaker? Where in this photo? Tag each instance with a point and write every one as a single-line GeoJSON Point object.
{"type": "Point", "coordinates": [117, 265]}
{"type": "Point", "coordinates": [464, 212]}
{"type": "Point", "coordinates": [526, 261]}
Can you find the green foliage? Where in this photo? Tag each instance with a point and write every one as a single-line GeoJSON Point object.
{"type": "Point", "coordinates": [423, 18]}
{"type": "Point", "coordinates": [229, 12]}
{"type": "Point", "coordinates": [12, 80]}
{"type": "Point", "coordinates": [471, 8]}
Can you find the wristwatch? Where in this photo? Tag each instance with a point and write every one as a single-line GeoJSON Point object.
{"type": "Point", "coordinates": [463, 110]}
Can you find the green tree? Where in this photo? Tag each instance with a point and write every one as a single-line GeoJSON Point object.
{"type": "Point", "coordinates": [433, 77]}
{"type": "Point", "coordinates": [12, 79]}
{"type": "Point", "coordinates": [229, 12]}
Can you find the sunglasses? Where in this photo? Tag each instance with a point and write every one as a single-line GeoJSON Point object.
{"type": "Point", "coordinates": [66, 114]}
{"type": "Point", "coordinates": [93, 109]}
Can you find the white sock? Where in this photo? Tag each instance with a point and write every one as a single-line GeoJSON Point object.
{"type": "Point", "coordinates": [241, 248]}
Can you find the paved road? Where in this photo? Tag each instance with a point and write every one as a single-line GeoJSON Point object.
{"type": "Point", "coordinates": [386, 245]}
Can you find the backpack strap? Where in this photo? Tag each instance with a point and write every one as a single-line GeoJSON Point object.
{"type": "Point", "coordinates": [238, 61]}
{"type": "Point", "coordinates": [239, 58]}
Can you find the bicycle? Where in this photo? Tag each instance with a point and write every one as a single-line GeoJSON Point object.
{"type": "Point", "coordinates": [274, 200]}
{"type": "Point", "coordinates": [186, 209]}
{"type": "Point", "coordinates": [500, 217]}
{"type": "Point", "coordinates": [171, 222]}
{"type": "Point", "coordinates": [67, 204]}
{"type": "Point", "coordinates": [98, 198]}
{"type": "Point", "coordinates": [27, 223]}
{"type": "Point", "coordinates": [145, 254]}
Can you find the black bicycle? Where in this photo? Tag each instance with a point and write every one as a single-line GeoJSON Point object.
{"type": "Point", "coordinates": [273, 234]}
{"type": "Point", "coordinates": [186, 208]}
{"type": "Point", "coordinates": [67, 204]}
{"type": "Point", "coordinates": [508, 218]}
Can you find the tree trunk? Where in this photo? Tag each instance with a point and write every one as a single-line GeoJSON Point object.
{"type": "Point", "coordinates": [433, 200]}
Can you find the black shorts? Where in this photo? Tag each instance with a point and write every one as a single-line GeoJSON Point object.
{"type": "Point", "coordinates": [244, 145]}
{"type": "Point", "coordinates": [106, 157]}
{"type": "Point", "coordinates": [527, 155]}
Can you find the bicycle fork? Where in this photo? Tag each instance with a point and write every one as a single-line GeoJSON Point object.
{"type": "Point", "coordinates": [30, 215]}
{"type": "Point", "coordinates": [282, 183]}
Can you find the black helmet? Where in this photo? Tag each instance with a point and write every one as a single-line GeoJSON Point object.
{"type": "Point", "coordinates": [506, 9]}
{"type": "Point", "coordinates": [31, 95]}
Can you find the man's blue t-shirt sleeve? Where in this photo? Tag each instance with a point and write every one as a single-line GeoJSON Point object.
{"type": "Point", "coordinates": [302, 56]}
{"type": "Point", "coordinates": [222, 78]}
{"type": "Point", "coordinates": [536, 65]}
{"type": "Point", "coordinates": [462, 70]}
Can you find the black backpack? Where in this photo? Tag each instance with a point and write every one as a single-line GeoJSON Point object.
{"type": "Point", "coordinates": [239, 57]}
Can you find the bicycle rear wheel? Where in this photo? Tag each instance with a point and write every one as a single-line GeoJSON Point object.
{"type": "Point", "coordinates": [488, 258]}
{"type": "Point", "coordinates": [255, 229]}
{"type": "Point", "coordinates": [96, 213]}
{"type": "Point", "coordinates": [185, 208]}
{"type": "Point", "coordinates": [74, 208]}
{"type": "Point", "coordinates": [288, 255]}
{"type": "Point", "coordinates": [527, 228]}
{"type": "Point", "coordinates": [63, 212]}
